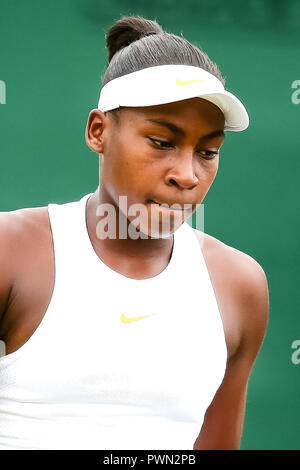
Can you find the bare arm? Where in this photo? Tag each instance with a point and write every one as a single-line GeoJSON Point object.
{"type": "Point", "coordinates": [223, 423]}
{"type": "Point", "coordinates": [6, 260]}
{"type": "Point", "coordinates": [14, 235]}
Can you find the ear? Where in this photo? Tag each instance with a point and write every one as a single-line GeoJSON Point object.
{"type": "Point", "coordinates": [94, 130]}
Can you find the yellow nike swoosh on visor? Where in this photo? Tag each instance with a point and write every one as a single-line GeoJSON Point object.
{"type": "Point", "coordinates": [129, 320]}
{"type": "Point", "coordinates": [179, 82]}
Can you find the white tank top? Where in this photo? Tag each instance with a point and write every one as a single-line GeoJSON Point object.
{"type": "Point", "coordinates": [88, 378]}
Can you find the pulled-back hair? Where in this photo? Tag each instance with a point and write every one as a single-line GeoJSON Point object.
{"type": "Point", "coordinates": [135, 43]}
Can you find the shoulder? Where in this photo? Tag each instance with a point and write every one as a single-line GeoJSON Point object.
{"type": "Point", "coordinates": [242, 269]}
{"type": "Point", "coordinates": [242, 287]}
{"type": "Point", "coordinates": [22, 232]}
{"type": "Point", "coordinates": [22, 224]}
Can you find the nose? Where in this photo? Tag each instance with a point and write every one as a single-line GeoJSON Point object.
{"type": "Point", "coordinates": [182, 173]}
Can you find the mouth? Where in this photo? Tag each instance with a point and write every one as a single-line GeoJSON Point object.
{"type": "Point", "coordinates": [164, 205]}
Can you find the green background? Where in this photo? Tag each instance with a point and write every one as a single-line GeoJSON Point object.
{"type": "Point", "coordinates": [52, 55]}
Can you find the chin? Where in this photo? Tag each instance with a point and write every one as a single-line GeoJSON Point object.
{"type": "Point", "coordinates": [156, 230]}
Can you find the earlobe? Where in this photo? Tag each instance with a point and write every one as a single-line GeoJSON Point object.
{"type": "Point", "coordinates": [94, 130]}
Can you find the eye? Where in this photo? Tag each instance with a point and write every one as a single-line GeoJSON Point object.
{"type": "Point", "coordinates": [208, 154]}
{"type": "Point", "coordinates": [161, 144]}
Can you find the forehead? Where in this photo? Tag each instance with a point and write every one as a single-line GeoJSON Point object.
{"type": "Point", "coordinates": [187, 114]}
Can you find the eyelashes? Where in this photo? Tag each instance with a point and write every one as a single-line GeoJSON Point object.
{"type": "Point", "coordinates": [162, 144]}
{"type": "Point", "coordinates": [166, 145]}
{"type": "Point", "coordinates": [209, 154]}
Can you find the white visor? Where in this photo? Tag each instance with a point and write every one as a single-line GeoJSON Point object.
{"type": "Point", "coordinates": [169, 83]}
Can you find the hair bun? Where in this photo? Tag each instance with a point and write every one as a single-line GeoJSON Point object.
{"type": "Point", "coordinates": [127, 30]}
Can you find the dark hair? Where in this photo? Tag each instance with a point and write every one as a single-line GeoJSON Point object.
{"type": "Point", "coordinates": [135, 43]}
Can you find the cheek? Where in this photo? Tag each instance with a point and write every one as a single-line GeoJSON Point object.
{"type": "Point", "coordinates": [126, 170]}
{"type": "Point", "coordinates": [212, 179]}
{"type": "Point", "coordinates": [212, 174]}
{"type": "Point", "coordinates": [206, 174]}
{"type": "Point", "coordinates": [210, 169]}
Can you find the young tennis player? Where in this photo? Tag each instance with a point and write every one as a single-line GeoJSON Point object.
{"type": "Point", "coordinates": [124, 327]}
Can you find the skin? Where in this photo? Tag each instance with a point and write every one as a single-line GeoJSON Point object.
{"type": "Point", "coordinates": [145, 160]}
{"type": "Point", "coordinates": [140, 163]}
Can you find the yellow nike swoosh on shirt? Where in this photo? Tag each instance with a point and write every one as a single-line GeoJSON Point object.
{"type": "Point", "coordinates": [179, 82]}
{"type": "Point", "coordinates": [129, 320]}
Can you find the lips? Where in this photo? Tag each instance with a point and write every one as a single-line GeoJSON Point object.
{"type": "Point", "coordinates": [165, 205]}
{"type": "Point", "coordinates": [156, 202]}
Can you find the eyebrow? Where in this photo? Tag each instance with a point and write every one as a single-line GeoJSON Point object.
{"type": "Point", "coordinates": [177, 130]}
